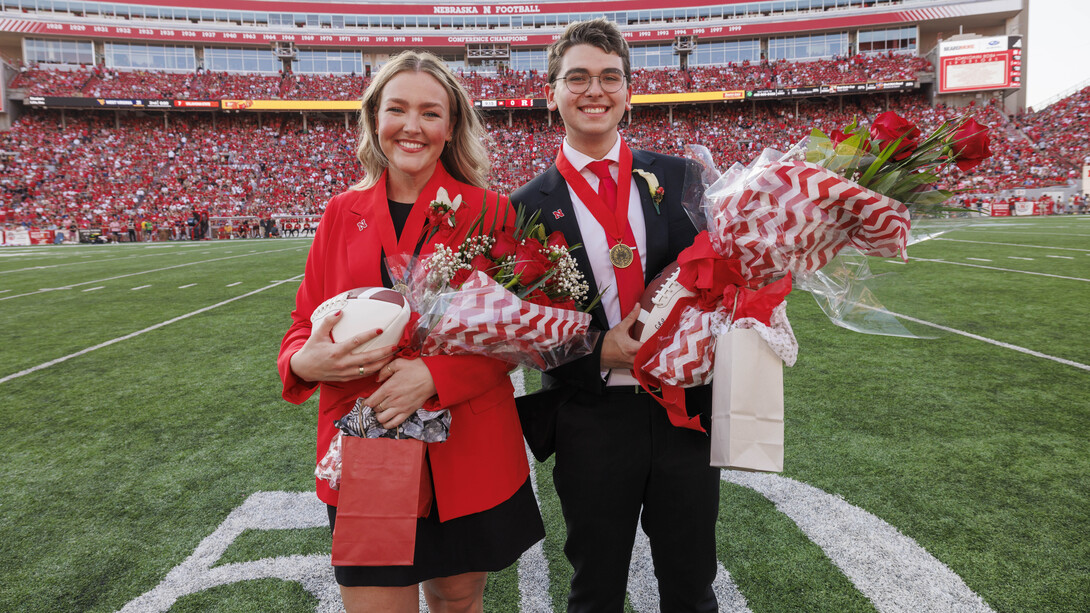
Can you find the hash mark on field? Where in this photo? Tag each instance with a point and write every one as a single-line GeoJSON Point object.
{"type": "Point", "coordinates": [1014, 257]}
{"type": "Point", "coordinates": [978, 259]}
{"type": "Point", "coordinates": [142, 272]}
{"type": "Point", "coordinates": [141, 287]}
{"type": "Point", "coordinates": [185, 286]}
{"type": "Point", "coordinates": [91, 289]}
{"type": "Point", "coordinates": [4, 291]}
{"type": "Point", "coordinates": [138, 332]}
{"type": "Point", "coordinates": [234, 284]}
{"type": "Point", "coordinates": [1061, 257]}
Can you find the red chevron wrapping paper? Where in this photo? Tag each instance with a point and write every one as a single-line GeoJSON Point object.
{"type": "Point", "coordinates": [796, 216]}
{"type": "Point", "coordinates": [688, 359]}
{"type": "Point", "coordinates": [484, 318]}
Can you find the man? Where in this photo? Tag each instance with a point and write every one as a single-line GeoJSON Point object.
{"type": "Point", "coordinates": [619, 461]}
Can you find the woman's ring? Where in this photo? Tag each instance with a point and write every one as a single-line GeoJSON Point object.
{"type": "Point", "coordinates": [363, 373]}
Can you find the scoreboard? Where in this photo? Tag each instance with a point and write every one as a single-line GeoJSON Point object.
{"type": "Point", "coordinates": [980, 64]}
{"type": "Point", "coordinates": [513, 103]}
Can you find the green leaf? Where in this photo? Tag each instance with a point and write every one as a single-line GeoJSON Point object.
{"type": "Point", "coordinates": [931, 198]}
{"type": "Point", "coordinates": [884, 185]}
{"type": "Point", "coordinates": [882, 158]}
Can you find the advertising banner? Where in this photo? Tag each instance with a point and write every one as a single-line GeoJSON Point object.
{"type": "Point", "coordinates": [980, 64]}
{"type": "Point", "coordinates": [114, 103]}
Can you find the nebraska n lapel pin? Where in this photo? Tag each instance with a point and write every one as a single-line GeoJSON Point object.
{"type": "Point", "coordinates": [557, 214]}
{"type": "Point", "coordinates": [361, 225]}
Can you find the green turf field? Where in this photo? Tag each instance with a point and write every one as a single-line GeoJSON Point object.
{"type": "Point", "coordinates": [141, 406]}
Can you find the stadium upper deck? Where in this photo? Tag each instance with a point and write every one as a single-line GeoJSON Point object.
{"type": "Point", "coordinates": [257, 37]}
{"type": "Point", "coordinates": [330, 37]}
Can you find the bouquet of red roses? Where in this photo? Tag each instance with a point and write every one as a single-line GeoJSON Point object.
{"type": "Point", "coordinates": [805, 217]}
{"type": "Point", "coordinates": [509, 293]}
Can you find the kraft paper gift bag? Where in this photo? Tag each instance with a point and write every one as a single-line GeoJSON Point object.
{"type": "Point", "coordinates": [747, 403]}
{"type": "Point", "coordinates": [385, 487]}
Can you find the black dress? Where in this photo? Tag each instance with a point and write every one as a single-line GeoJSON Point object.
{"type": "Point", "coordinates": [487, 541]}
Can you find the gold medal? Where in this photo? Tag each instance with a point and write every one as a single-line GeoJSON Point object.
{"type": "Point", "coordinates": [620, 255]}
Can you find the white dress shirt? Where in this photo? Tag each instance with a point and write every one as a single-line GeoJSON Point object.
{"type": "Point", "coordinates": [594, 240]}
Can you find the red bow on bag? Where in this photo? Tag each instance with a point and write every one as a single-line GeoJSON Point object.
{"type": "Point", "coordinates": [716, 281]}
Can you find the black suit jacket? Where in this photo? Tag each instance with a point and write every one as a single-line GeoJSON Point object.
{"type": "Point", "coordinates": [669, 231]}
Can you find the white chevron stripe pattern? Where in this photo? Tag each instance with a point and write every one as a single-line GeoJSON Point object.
{"type": "Point", "coordinates": [688, 359]}
{"type": "Point", "coordinates": [19, 25]}
{"type": "Point", "coordinates": [795, 216]}
{"type": "Point", "coordinates": [486, 318]}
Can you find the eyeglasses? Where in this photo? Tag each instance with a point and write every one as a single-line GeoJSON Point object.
{"type": "Point", "coordinates": [611, 81]}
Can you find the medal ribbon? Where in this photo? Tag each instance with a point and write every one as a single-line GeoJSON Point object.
{"type": "Point", "coordinates": [614, 223]}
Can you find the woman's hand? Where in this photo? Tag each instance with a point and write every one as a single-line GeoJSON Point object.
{"type": "Point", "coordinates": [321, 359]}
{"type": "Point", "coordinates": [405, 386]}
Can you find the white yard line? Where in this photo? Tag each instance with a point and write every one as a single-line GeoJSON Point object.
{"type": "Point", "coordinates": [961, 240]}
{"type": "Point", "coordinates": [141, 287]}
{"type": "Point", "coordinates": [234, 284]}
{"type": "Point", "coordinates": [111, 259]}
{"type": "Point", "coordinates": [45, 365]}
{"type": "Point", "coordinates": [533, 567]}
{"type": "Point", "coordinates": [1014, 257]}
{"type": "Point", "coordinates": [979, 259]}
{"type": "Point", "coordinates": [1024, 272]}
{"type": "Point", "coordinates": [1060, 257]}
{"type": "Point", "coordinates": [1036, 354]}
{"type": "Point", "coordinates": [144, 272]}
{"type": "Point", "coordinates": [1024, 233]}
{"type": "Point", "coordinates": [91, 289]}
{"type": "Point", "coordinates": [185, 286]}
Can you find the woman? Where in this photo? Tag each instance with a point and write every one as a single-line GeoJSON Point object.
{"type": "Point", "coordinates": [417, 132]}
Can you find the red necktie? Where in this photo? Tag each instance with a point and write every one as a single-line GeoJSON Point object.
{"type": "Point", "coordinates": [629, 279]}
{"type": "Point", "coordinates": [607, 187]}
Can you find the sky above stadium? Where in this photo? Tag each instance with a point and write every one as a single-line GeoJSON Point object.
{"type": "Point", "coordinates": [1058, 49]}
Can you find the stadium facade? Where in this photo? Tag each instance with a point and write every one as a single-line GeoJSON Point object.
{"type": "Point", "coordinates": [977, 47]}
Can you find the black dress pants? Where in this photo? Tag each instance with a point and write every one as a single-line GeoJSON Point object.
{"type": "Point", "coordinates": [617, 455]}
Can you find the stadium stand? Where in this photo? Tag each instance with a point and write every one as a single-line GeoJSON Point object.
{"type": "Point", "coordinates": [1060, 130]}
{"type": "Point", "coordinates": [77, 165]}
{"type": "Point", "coordinates": [48, 81]}
{"type": "Point", "coordinates": [80, 169]}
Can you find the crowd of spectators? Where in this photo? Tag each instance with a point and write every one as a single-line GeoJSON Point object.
{"type": "Point", "coordinates": [1061, 129]}
{"type": "Point", "coordinates": [771, 75]}
{"type": "Point", "coordinates": [99, 82]}
{"type": "Point", "coordinates": [96, 168]}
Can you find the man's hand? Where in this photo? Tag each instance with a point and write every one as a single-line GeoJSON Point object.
{"type": "Point", "coordinates": [619, 348]}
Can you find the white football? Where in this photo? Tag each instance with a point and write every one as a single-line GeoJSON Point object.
{"type": "Point", "coordinates": [658, 301]}
{"type": "Point", "coordinates": [366, 308]}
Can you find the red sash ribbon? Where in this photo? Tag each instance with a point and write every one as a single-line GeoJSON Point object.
{"type": "Point", "coordinates": [614, 222]}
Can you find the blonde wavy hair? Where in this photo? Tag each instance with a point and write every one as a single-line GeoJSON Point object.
{"type": "Point", "coordinates": [464, 157]}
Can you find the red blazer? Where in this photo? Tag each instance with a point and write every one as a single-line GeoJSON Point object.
{"type": "Point", "coordinates": [483, 461]}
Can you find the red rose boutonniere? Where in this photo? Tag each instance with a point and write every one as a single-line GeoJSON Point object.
{"type": "Point", "coordinates": [441, 211]}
